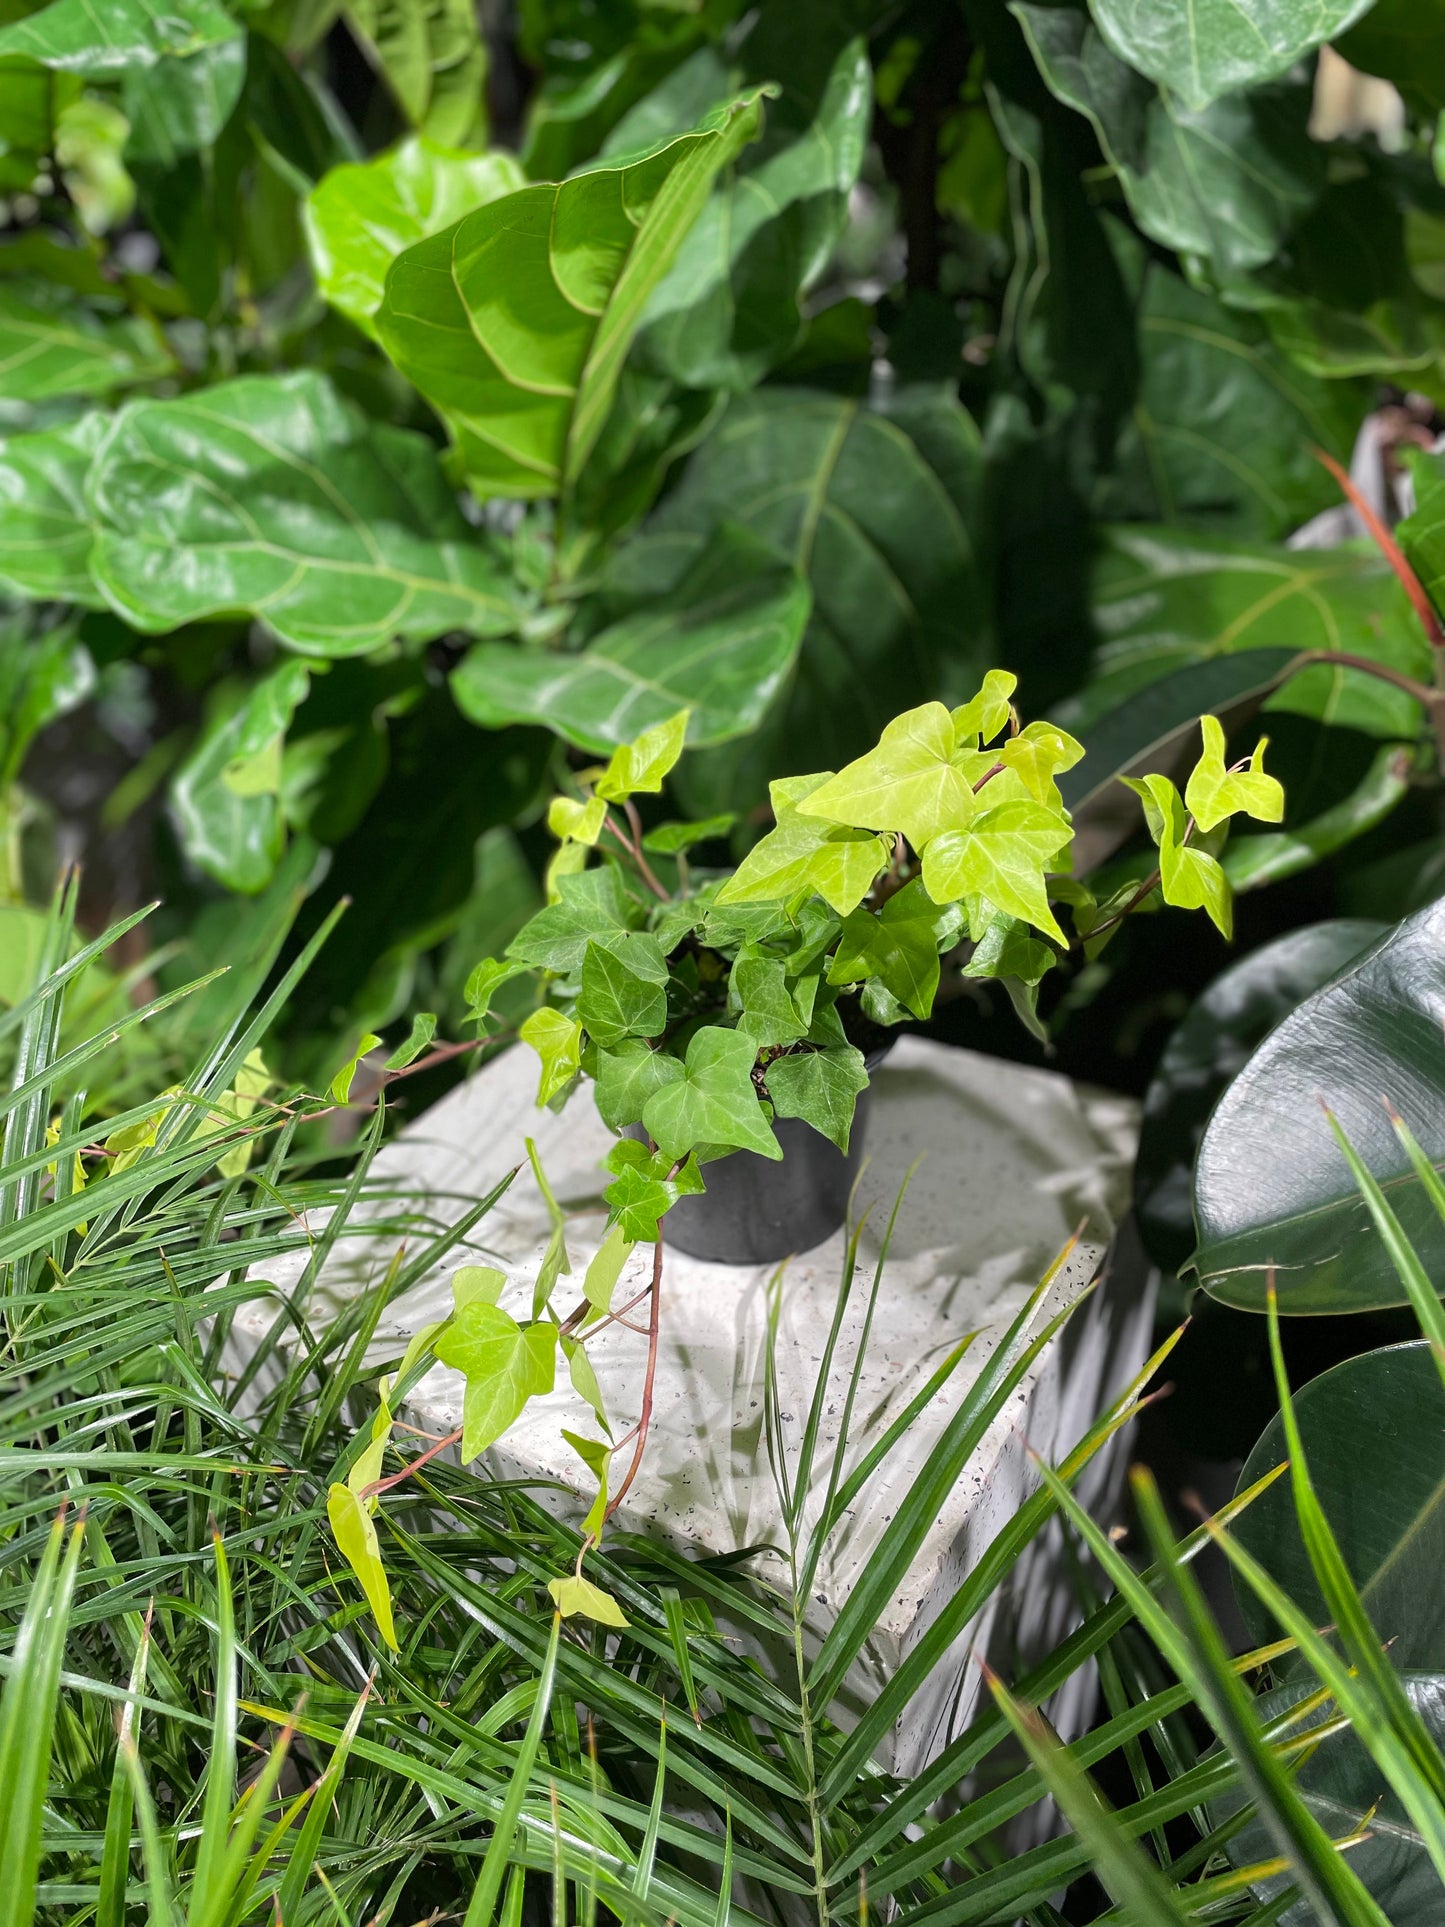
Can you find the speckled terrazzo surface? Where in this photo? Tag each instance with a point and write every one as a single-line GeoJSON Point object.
{"type": "Point", "coordinates": [1009, 1161]}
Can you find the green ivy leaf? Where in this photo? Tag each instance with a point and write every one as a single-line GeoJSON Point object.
{"type": "Point", "coordinates": [476, 1285]}
{"type": "Point", "coordinates": [807, 853]}
{"type": "Point", "coordinates": [911, 782]}
{"type": "Point", "coordinates": [1036, 756]}
{"type": "Point", "coordinates": [624, 987]}
{"type": "Point", "coordinates": [579, 1598]}
{"type": "Point", "coordinates": [515, 322]}
{"type": "Point", "coordinates": [672, 839]}
{"type": "Point", "coordinates": [1214, 793]}
{"type": "Point", "coordinates": [627, 1077]}
{"type": "Point", "coordinates": [1190, 878]}
{"type": "Point", "coordinates": [713, 1103]}
{"type": "Point", "coordinates": [423, 1030]}
{"type": "Point", "coordinates": [644, 1190]}
{"type": "Point", "coordinates": [557, 1040]}
{"type": "Point", "coordinates": [52, 343]}
{"type": "Point", "coordinates": [596, 1457]}
{"type": "Point", "coordinates": [606, 1268]}
{"type": "Point", "coordinates": [82, 39]}
{"type": "Point", "coordinates": [591, 904]}
{"type": "Point", "coordinates": [821, 1087]}
{"type": "Point", "coordinates": [340, 1086]}
{"type": "Point", "coordinates": [360, 216]}
{"type": "Point", "coordinates": [555, 1262]}
{"type": "Point", "coordinates": [899, 945]}
{"type": "Point", "coordinates": [769, 1012]}
{"type": "Point", "coordinates": [641, 765]}
{"type": "Point", "coordinates": [584, 1378]}
{"type": "Point", "coordinates": [272, 496]}
{"type": "Point", "coordinates": [721, 645]}
{"type": "Point", "coordinates": [1214, 47]}
{"type": "Point", "coordinates": [980, 719]}
{"type": "Point", "coordinates": [505, 1365]}
{"type": "Point", "coordinates": [485, 980]}
{"type": "Point", "coordinates": [354, 1531]}
{"type": "Point", "coordinates": [574, 821]}
{"type": "Point", "coordinates": [1002, 855]}
{"type": "Point", "coordinates": [45, 532]}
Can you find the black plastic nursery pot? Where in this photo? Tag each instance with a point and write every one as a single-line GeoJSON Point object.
{"type": "Point", "coordinates": [757, 1210]}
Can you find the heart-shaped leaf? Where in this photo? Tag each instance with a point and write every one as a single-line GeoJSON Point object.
{"type": "Point", "coordinates": [515, 322]}
{"type": "Point", "coordinates": [505, 1365]}
{"type": "Point", "coordinates": [589, 905]}
{"type": "Point", "coordinates": [271, 496]}
{"type": "Point", "coordinates": [1002, 855]}
{"type": "Point", "coordinates": [714, 1103]}
{"type": "Point", "coordinates": [627, 1077]}
{"type": "Point", "coordinates": [911, 782]}
{"type": "Point", "coordinates": [807, 853]}
{"type": "Point", "coordinates": [821, 1087]}
{"type": "Point", "coordinates": [624, 987]}
{"type": "Point", "coordinates": [1212, 47]}
{"type": "Point", "coordinates": [1272, 1191]}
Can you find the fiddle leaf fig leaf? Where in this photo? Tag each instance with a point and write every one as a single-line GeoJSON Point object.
{"type": "Point", "coordinates": [807, 853]}
{"type": "Point", "coordinates": [271, 496]}
{"type": "Point", "coordinates": [505, 1364]}
{"type": "Point", "coordinates": [45, 529]}
{"type": "Point", "coordinates": [624, 987]}
{"type": "Point", "coordinates": [52, 343]}
{"type": "Point", "coordinates": [577, 822]}
{"type": "Point", "coordinates": [1213, 47]}
{"type": "Point", "coordinates": [578, 1598]}
{"type": "Point", "coordinates": [981, 719]}
{"type": "Point", "coordinates": [81, 38]}
{"type": "Point", "coordinates": [898, 945]}
{"type": "Point", "coordinates": [714, 1102]}
{"type": "Point", "coordinates": [360, 216]}
{"type": "Point", "coordinates": [606, 1268]}
{"type": "Point", "coordinates": [821, 1087]}
{"type": "Point", "coordinates": [557, 1040]}
{"type": "Point", "coordinates": [515, 322]}
{"type": "Point", "coordinates": [590, 904]}
{"type": "Point", "coordinates": [911, 782]}
{"type": "Point", "coordinates": [1214, 793]}
{"type": "Point", "coordinates": [1002, 856]}
{"type": "Point", "coordinates": [434, 59]}
{"type": "Point", "coordinates": [641, 765]}
{"type": "Point", "coordinates": [627, 1077]}
{"type": "Point", "coordinates": [354, 1531]}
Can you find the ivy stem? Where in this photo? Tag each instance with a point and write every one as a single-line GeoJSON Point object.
{"type": "Point", "coordinates": [633, 847]}
{"type": "Point", "coordinates": [645, 1417]}
{"type": "Point", "coordinates": [384, 1485]}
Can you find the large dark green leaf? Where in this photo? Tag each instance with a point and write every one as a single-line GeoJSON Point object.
{"type": "Point", "coordinates": [722, 645]}
{"type": "Point", "coordinates": [1164, 599]}
{"type": "Point", "coordinates": [360, 217]}
{"type": "Point", "coordinates": [1208, 1050]}
{"type": "Point", "coordinates": [728, 310]}
{"type": "Point", "coordinates": [1273, 1194]}
{"type": "Point", "coordinates": [31, 98]}
{"type": "Point", "coordinates": [1213, 47]}
{"type": "Point", "coordinates": [515, 322]}
{"type": "Point", "coordinates": [235, 835]}
{"type": "Point", "coordinates": [1222, 184]}
{"type": "Point", "coordinates": [271, 496]}
{"type": "Point", "coordinates": [180, 105]}
{"type": "Point", "coordinates": [1374, 1437]}
{"type": "Point", "coordinates": [42, 676]}
{"type": "Point", "coordinates": [435, 61]}
{"type": "Point", "coordinates": [1422, 535]}
{"type": "Point", "coordinates": [877, 508]}
{"type": "Point", "coordinates": [45, 528]}
{"type": "Point", "coordinates": [106, 38]}
{"type": "Point", "coordinates": [53, 343]}
{"type": "Point", "coordinates": [1224, 423]}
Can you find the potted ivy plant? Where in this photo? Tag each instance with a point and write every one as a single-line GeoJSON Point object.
{"type": "Point", "coordinates": [729, 1018]}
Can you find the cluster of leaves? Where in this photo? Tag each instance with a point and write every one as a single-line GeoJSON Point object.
{"type": "Point", "coordinates": [160, 1763]}
{"type": "Point", "coordinates": [771, 364]}
{"type": "Point", "coordinates": [703, 1010]}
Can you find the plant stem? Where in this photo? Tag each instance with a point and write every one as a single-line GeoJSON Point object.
{"type": "Point", "coordinates": [645, 1417]}
{"type": "Point", "coordinates": [634, 850]}
{"type": "Point", "coordinates": [385, 1485]}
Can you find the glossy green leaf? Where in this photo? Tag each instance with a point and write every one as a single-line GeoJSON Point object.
{"type": "Point", "coordinates": [624, 987]}
{"type": "Point", "coordinates": [606, 1268]}
{"type": "Point", "coordinates": [1215, 792]}
{"type": "Point", "coordinates": [1002, 855]}
{"type": "Point", "coordinates": [272, 496]}
{"type": "Point", "coordinates": [423, 1030]}
{"type": "Point", "coordinates": [435, 61]}
{"type": "Point", "coordinates": [1164, 599]}
{"type": "Point", "coordinates": [340, 1086]}
{"type": "Point", "coordinates": [52, 343]}
{"type": "Point", "coordinates": [354, 1531]}
{"type": "Point", "coordinates": [641, 764]}
{"type": "Point", "coordinates": [898, 945]}
{"type": "Point", "coordinates": [645, 1187]}
{"type": "Point", "coordinates": [45, 532]}
{"type": "Point", "coordinates": [84, 38]}
{"type": "Point", "coordinates": [714, 1104]}
{"type": "Point", "coordinates": [877, 507]}
{"type": "Point", "coordinates": [505, 1364]}
{"type": "Point", "coordinates": [721, 645]}
{"type": "Point", "coordinates": [235, 837]}
{"type": "Point", "coordinates": [1272, 1188]}
{"type": "Point", "coordinates": [179, 106]}
{"type": "Point", "coordinates": [768, 1010]}
{"type": "Point", "coordinates": [557, 1041]}
{"type": "Point", "coordinates": [821, 1087]}
{"type": "Point", "coordinates": [589, 905]}
{"type": "Point", "coordinates": [807, 853]}
{"type": "Point", "coordinates": [671, 839]}
{"type": "Point", "coordinates": [360, 216]}
{"type": "Point", "coordinates": [911, 783]}
{"type": "Point", "coordinates": [515, 322]}
{"type": "Point", "coordinates": [1212, 47]}
{"type": "Point", "coordinates": [1220, 184]}
{"type": "Point", "coordinates": [577, 1597]}
{"type": "Point", "coordinates": [627, 1077]}
{"type": "Point", "coordinates": [1189, 877]}
{"type": "Point", "coordinates": [729, 308]}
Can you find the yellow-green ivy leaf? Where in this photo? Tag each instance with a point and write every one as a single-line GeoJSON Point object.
{"type": "Point", "coordinates": [605, 1269]}
{"type": "Point", "coordinates": [1002, 855]}
{"type": "Point", "coordinates": [577, 1598]}
{"type": "Point", "coordinates": [1215, 792]}
{"type": "Point", "coordinates": [557, 1041]}
{"type": "Point", "coordinates": [571, 821]}
{"type": "Point", "coordinates": [807, 853]}
{"type": "Point", "coordinates": [355, 1533]}
{"type": "Point", "coordinates": [981, 719]}
{"type": "Point", "coordinates": [911, 782]}
{"type": "Point", "coordinates": [505, 1365]}
{"type": "Point", "coordinates": [341, 1083]}
{"type": "Point", "coordinates": [642, 764]}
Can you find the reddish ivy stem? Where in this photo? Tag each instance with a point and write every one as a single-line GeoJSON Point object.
{"type": "Point", "coordinates": [633, 846]}
{"type": "Point", "coordinates": [645, 1417]}
{"type": "Point", "coordinates": [378, 1486]}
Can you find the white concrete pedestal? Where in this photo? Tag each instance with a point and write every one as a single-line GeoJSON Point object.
{"type": "Point", "coordinates": [1010, 1162]}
